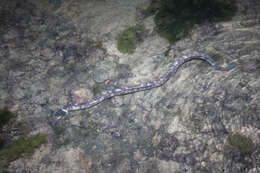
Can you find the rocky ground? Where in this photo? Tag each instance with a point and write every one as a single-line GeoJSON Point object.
{"type": "Point", "coordinates": [57, 52]}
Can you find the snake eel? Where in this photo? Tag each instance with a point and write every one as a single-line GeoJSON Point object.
{"type": "Point", "coordinates": [144, 86]}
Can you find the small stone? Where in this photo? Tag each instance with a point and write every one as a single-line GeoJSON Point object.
{"type": "Point", "coordinates": [100, 76]}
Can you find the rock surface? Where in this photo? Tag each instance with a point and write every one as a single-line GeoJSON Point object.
{"type": "Point", "coordinates": [55, 52]}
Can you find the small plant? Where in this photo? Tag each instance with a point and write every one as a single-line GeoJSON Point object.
{"type": "Point", "coordinates": [129, 39]}
{"type": "Point", "coordinates": [18, 148]}
{"type": "Point", "coordinates": [238, 143]}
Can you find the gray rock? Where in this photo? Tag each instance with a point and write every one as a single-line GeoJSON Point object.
{"type": "Point", "coordinates": [46, 54]}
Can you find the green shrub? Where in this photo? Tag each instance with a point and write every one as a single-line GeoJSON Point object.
{"type": "Point", "coordinates": [238, 143]}
{"type": "Point", "coordinates": [129, 39]}
{"type": "Point", "coordinates": [174, 18]}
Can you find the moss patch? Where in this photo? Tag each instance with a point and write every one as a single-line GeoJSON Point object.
{"type": "Point", "coordinates": [18, 148]}
{"type": "Point", "coordinates": [238, 143]}
{"type": "Point", "coordinates": [175, 18]}
{"type": "Point", "coordinates": [129, 38]}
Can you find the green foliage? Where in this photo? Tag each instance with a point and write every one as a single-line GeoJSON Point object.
{"type": "Point", "coordinates": [5, 116]}
{"type": "Point", "coordinates": [238, 143]}
{"type": "Point", "coordinates": [175, 18]}
{"type": "Point", "coordinates": [129, 39]}
{"type": "Point", "coordinates": [18, 148]}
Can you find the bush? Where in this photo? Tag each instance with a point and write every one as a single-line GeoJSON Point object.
{"type": "Point", "coordinates": [129, 39]}
{"type": "Point", "coordinates": [238, 143]}
{"type": "Point", "coordinates": [175, 18]}
{"type": "Point", "coordinates": [5, 116]}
